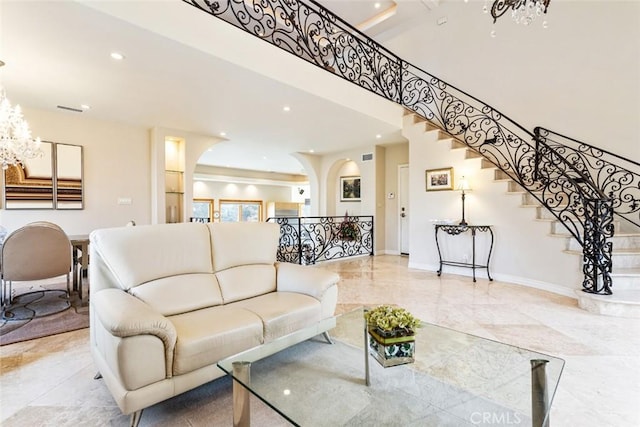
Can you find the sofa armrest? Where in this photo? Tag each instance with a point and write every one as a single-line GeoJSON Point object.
{"type": "Point", "coordinates": [304, 279]}
{"type": "Point", "coordinates": [124, 315]}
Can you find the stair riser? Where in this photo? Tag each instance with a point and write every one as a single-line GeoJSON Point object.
{"type": "Point", "coordinates": [499, 175]}
{"type": "Point", "coordinates": [625, 261]}
{"type": "Point", "coordinates": [619, 242]}
{"type": "Point", "coordinates": [558, 228]}
{"type": "Point", "coordinates": [625, 283]}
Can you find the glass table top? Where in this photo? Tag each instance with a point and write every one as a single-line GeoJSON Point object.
{"type": "Point", "coordinates": [457, 380]}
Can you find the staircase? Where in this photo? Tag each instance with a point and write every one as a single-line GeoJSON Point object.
{"type": "Point", "coordinates": [532, 160]}
{"type": "Point", "coordinates": [625, 301]}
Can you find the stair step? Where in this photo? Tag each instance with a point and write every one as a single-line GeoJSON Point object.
{"type": "Point", "coordinates": [624, 303]}
{"type": "Point", "coordinates": [486, 164]}
{"type": "Point", "coordinates": [619, 240]}
{"type": "Point", "coordinates": [472, 154]}
{"type": "Point", "coordinates": [625, 259]}
{"type": "Point", "coordinates": [455, 144]}
{"type": "Point", "coordinates": [500, 175]}
{"type": "Point", "coordinates": [626, 279]}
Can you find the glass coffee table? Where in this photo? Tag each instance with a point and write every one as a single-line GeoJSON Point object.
{"type": "Point", "coordinates": [456, 380]}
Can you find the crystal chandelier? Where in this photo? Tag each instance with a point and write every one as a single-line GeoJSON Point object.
{"type": "Point", "coordinates": [523, 11]}
{"type": "Point", "coordinates": [16, 144]}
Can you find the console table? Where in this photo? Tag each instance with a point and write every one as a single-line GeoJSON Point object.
{"type": "Point", "coordinates": [454, 230]}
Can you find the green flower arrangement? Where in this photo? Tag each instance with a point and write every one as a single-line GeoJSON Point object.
{"type": "Point", "coordinates": [392, 321]}
{"type": "Point", "coordinates": [348, 228]}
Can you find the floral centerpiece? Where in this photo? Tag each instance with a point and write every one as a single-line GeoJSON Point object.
{"type": "Point", "coordinates": [391, 334]}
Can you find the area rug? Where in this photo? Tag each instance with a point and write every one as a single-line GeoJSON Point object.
{"type": "Point", "coordinates": [39, 311]}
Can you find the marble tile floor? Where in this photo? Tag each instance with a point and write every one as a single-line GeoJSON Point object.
{"type": "Point", "coordinates": [49, 381]}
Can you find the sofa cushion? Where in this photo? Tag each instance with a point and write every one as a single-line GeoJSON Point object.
{"type": "Point", "coordinates": [282, 312]}
{"type": "Point", "coordinates": [242, 243]}
{"type": "Point", "coordinates": [246, 281]}
{"type": "Point", "coordinates": [181, 293]}
{"type": "Point", "coordinates": [211, 334]}
{"type": "Point", "coordinates": [144, 253]}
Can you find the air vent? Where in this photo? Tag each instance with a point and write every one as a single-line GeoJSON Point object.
{"type": "Point", "coordinates": [367, 157]}
{"type": "Point", "coordinates": [76, 110]}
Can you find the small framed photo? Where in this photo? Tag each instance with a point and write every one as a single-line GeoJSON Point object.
{"type": "Point", "coordinates": [350, 188]}
{"type": "Point", "coordinates": [439, 179]}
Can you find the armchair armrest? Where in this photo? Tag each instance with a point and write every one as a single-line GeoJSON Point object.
{"type": "Point", "coordinates": [124, 315]}
{"type": "Point", "coordinates": [304, 279]}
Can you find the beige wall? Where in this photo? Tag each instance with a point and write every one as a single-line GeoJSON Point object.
{"type": "Point", "coordinates": [578, 77]}
{"type": "Point", "coordinates": [116, 165]}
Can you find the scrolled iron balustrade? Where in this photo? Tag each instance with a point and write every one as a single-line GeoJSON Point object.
{"type": "Point", "coordinates": [307, 240]}
{"type": "Point", "coordinates": [619, 183]}
{"type": "Point", "coordinates": [318, 36]}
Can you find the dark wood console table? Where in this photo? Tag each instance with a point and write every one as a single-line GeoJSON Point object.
{"type": "Point", "coordinates": [455, 230]}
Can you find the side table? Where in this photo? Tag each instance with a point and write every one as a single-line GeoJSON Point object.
{"type": "Point", "coordinates": [454, 230]}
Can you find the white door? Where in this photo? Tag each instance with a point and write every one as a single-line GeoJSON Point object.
{"type": "Point", "coordinates": [403, 207]}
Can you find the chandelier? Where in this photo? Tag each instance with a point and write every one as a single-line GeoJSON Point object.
{"type": "Point", "coordinates": [523, 11]}
{"type": "Point", "coordinates": [16, 144]}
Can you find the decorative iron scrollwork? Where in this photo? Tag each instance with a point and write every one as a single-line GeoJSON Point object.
{"type": "Point", "coordinates": [307, 240]}
{"type": "Point", "coordinates": [555, 176]}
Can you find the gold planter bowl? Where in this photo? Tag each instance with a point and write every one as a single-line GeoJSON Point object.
{"type": "Point", "coordinates": [391, 350]}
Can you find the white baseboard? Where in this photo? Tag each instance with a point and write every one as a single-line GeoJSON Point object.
{"type": "Point", "coordinates": [515, 280]}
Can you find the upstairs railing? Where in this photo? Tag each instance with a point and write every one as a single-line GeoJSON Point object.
{"type": "Point", "coordinates": [307, 240]}
{"type": "Point", "coordinates": [316, 35]}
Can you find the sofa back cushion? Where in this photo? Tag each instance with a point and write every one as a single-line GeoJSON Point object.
{"type": "Point", "coordinates": [180, 294]}
{"type": "Point", "coordinates": [243, 243]}
{"type": "Point", "coordinates": [246, 281]}
{"type": "Point", "coordinates": [141, 254]}
{"type": "Point", "coordinates": [244, 256]}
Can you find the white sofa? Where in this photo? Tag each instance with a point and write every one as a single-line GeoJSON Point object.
{"type": "Point", "coordinates": [169, 301]}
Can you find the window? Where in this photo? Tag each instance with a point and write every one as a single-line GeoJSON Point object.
{"type": "Point", "coordinates": [202, 208]}
{"type": "Point", "coordinates": [240, 210]}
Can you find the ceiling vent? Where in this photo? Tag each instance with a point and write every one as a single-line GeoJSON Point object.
{"type": "Point", "coordinates": [366, 157]}
{"type": "Point", "coordinates": [75, 110]}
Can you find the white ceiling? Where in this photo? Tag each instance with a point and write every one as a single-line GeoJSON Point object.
{"type": "Point", "coordinates": [58, 53]}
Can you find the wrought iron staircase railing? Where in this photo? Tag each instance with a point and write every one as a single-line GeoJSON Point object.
{"type": "Point", "coordinates": [617, 177]}
{"type": "Point", "coordinates": [316, 35]}
{"type": "Point", "coordinates": [307, 240]}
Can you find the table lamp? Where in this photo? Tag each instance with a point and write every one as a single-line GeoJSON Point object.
{"type": "Point", "coordinates": [463, 186]}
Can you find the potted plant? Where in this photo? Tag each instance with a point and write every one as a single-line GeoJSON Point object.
{"type": "Point", "coordinates": [348, 229]}
{"type": "Point", "coordinates": [391, 334]}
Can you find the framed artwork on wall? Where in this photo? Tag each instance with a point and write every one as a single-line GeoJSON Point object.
{"type": "Point", "coordinates": [30, 186]}
{"type": "Point", "coordinates": [439, 179]}
{"type": "Point", "coordinates": [349, 188]}
{"type": "Point", "coordinates": [52, 180]}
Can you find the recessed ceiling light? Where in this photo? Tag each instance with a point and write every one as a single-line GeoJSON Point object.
{"type": "Point", "coordinates": [378, 136]}
{"type": "Point", "coordinates": [223, 133]}
{"type": "Point", "coordinates": [286, 108]}
{"type": "Point", "coordinates": [312, 151]}
{"type": "Point", "coordinates": [85, 107]}
{"type": "Point", "coordinates": [376, 5]}
{"type": "Point", "coordinates": [117, 56]}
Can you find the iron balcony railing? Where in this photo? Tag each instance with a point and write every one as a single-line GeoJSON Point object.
{"type": "Point", "coordinates": [307, 240]}
{"type": "Point", "coordinates": [315, 34]}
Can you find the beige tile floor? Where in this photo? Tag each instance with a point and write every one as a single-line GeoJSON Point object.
{"type": "Point", "coordinates": [49, 381]}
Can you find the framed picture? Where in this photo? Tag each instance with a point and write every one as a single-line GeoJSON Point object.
{"type": "Point", "coordinates": [349, 188]}
{"type": "Point", "coordinates": [439, 179]}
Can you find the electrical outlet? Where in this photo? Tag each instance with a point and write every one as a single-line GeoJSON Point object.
{"type": "Point", "coordinates": [124, 200]}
